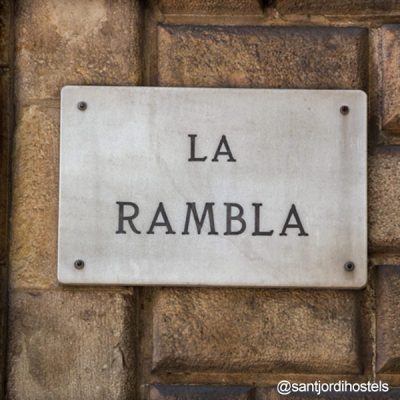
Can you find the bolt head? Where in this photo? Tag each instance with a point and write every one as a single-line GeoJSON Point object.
{"type": "Point", "coordinates": [82, 106]}
{"type": "Point", "coordinates": [349, 266]}
{"type": "Point", "coordinates": [344, 110]}
{"type": "Point", "coordinates": [79, 264]}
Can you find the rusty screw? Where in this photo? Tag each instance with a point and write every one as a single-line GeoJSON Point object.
{"type": "Point", "coordinates": [345, 110]}
{"type": "Point", "coordinates": [349, 266]}
{"type": "Point", "coordinates": [79, 264]}
{"type": "Point", "coordinates": [82, 106]}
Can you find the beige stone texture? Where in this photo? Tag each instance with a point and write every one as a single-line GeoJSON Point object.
{"type": "Point", "coordinates": [388, 319]}
{"type": "Point", "coordinates": [33, 249]}
{"type": "Point", "coordinates": [5, 82]}
{"type": "Point", "coordinates": [75, 42]}
{"type": "Point", "coordinates": [71, 345]}
{"type": "Point", "coordinates": [274, 57]}
{"type": "Point", "coordinates": [194, 392]}
{"type": "Point", "coordinates": [4, 204]}
{"type": "Point", "coordinates": [384, 201]}
{"type": "Point", "coordinates": [338, 7]}
{"type": "Point", "coordinates": [5, 140]}
{"type": "Point", "coordinates": [232, 330]}
{"type": "Point", "coordinates": [384, 259]}
{"type": "Point", "coordinates": [211, 7]}
{"type": "Point", "coordinates": [390, 87]}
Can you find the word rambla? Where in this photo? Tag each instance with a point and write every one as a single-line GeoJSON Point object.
{"type": "Point", "coordinates": [128, 214]}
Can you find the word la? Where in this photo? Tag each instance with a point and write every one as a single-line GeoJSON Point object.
{"type": "Point", "coordinates": [223, 149]}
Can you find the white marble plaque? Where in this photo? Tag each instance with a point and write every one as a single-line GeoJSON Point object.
{"type": "Point", "coordinates": [220, 187]}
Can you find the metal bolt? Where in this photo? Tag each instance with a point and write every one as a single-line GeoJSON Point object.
{"type": "Point", "coordinates": [82, 106]}
{"type": "Point", "coordinates": [79, 264]}
{"type": "Point", "coordinates": [345, 110]}
{"type": "Point", "coordinates": [349, 266]}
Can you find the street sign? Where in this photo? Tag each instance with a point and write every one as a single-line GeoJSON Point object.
{"type": "Point", "coordinates": [219, 187]}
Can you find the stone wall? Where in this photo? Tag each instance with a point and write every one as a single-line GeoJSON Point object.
{"type": "Point", "coordinates": [190, 343]}
{"type": "Point", "coordinates": [6, 79]}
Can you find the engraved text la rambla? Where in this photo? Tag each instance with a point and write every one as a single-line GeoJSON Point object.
{"type": "Point", "coordinates": [197, 214]}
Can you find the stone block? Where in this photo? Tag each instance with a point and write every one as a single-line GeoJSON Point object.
{"type": "Point", "coordinates": [389, 64]}
{"type": "Point", "coordinates": [5, 144]}
{"type": "Point", "coordinates": [388, 319]}
{"type": "Point", "coordinates": [384, 201]}
{"type": "Point", "coordinates": [71, 345]}
{"type": "Point", "coordinates": [234, 330]}
{"type": "Point", "coordinates": [5, 23]}
{"type": "Point", "coordinates": [74, 42]}
{"type": "Point", "coordinates": [3, 323]}
{"type": "Point", "coordinates": [33, 252]}
{"type": "Point", "coordinates": [263, 57]}
{"type": "Point", "coordinates": [338, 7]}
{"type": "Point", "coordinates": [194, 392]}
{"type": "Point", "coordinates": [211, 7]}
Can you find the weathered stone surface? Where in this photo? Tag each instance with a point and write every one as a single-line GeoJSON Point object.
{"type": "Point", "coordinates": [338, 7]}
{"type": "Point", "coordinates": [5, 143]}
{"type": "Point", "coordinates": [193, 392]}
{"type": "Point", "coordinates": [75, 42]}
{"type": "Point", "coordinates": [390, 60]}
{"type": "Point", "coordinates": [5, 135]}
{"type": "Point", "coordinates": [3, 323]}
{"type": "Point", "coordinates": [35, 198]}
{"type": "Point", "coordinates": [275, 57]}
{"type": "Point", "coordinates": [229, 330]}
{"type": "Point", "coordinates": [4, 205]}
{"type": "Point", "coordinates": [388, 318]}
{"type": "Point", "coordinates": [5, 22]}
{"type": "Point", "coordinates": [212, 7]}
{"type": "Point", "coordinates": [384, 201]}
{"type": "Point", "coordinates": [71, 345]}
{"type": "Point", "coordinates": [384, 259]}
